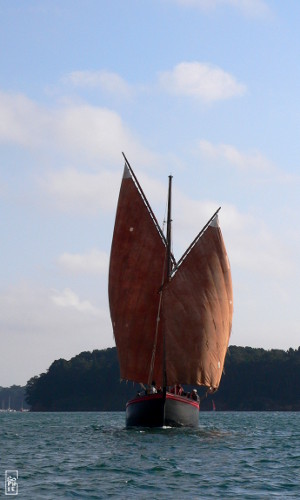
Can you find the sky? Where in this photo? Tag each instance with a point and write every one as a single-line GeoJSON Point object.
{"type": "Point", "coordinates": [205, 90]}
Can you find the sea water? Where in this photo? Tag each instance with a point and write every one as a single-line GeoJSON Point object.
{"type": "Point", "coordinates": [93, 456]}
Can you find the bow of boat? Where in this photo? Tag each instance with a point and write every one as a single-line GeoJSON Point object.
{"type": "Point", "coordinates": [158, 410]}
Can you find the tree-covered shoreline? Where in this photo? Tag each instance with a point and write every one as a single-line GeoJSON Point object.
{"type": "Point", "coordinates": [254, 379]}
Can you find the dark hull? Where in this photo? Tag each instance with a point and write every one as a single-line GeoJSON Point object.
{"type": "Point", "coordinates": [155, 410]}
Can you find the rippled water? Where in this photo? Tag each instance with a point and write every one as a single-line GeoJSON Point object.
{"type": "Point", "coordinates": [91, 455]}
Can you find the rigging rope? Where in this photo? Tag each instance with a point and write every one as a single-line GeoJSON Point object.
{"type": "Point", "coordinates": [157, 324]}
{"type": "Point", "coordinates": [155, 340]}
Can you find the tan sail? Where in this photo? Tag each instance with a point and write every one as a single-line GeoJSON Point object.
{"type": "Point", "coordinates": [135, 277]}
{"type": "Point", "coordinates": [195, 313]}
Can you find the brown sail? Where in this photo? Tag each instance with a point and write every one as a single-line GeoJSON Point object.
{"type": "Point", "coordinates": [182, 324]}
{"type": "Point", "coordinates": [135, 277]}
{"type": "Point", "coordinates": [197, 313]}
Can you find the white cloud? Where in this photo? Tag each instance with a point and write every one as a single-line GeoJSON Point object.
{"type": "Point", "coordinates": [39, 325]}
{"type": "Point", "coordinates": [202, 81]}
{"type": "Point", "coordinates": [250, 244]}
{"type": "Point", "coordinates": [252, 8]}
{"type": "Point", "coordinates": [22, 121]}
{"type": "Point", "coordinates": [242, 161]}
{"type": "Point", "coordinates": [82, 192]}
{"type": "Point", "coordinates": [95, 133]}
{"type": "Point", "coordinates": [69, 299]}
{"type": "Point", "coordinates": [82, 131]}
{"type": "Point", "coordinates": [254, 248]}
{"type": "Point", "coordinates": [105, 80]}
{"type": "Point", "coordinates": [94, 262]}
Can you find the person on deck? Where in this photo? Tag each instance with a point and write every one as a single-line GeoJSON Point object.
{"type": "Point", "coordinates": [179, 389]}
{"type": "Point", "coordinates": [194, 395]}
{"type": "Point", "coordinates": [152, 389]}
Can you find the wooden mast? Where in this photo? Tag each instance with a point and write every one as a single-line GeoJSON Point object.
{"type": "Point", "coordinates": [168, 272]}
{"type": "Point", "coordinates": [169, 232]}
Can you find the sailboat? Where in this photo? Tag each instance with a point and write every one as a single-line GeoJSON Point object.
{"type": "Point", "coordinates": [171, 320]}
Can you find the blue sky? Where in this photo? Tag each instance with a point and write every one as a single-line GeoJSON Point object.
{"type": "Point", "coordinates": [204, 90]}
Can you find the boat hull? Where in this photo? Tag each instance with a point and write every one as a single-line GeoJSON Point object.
{"type": "Point", "coordinates": [155, 410]}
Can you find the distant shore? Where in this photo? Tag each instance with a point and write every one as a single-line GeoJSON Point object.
{"type": "Point", "coordinates": [254, 379]}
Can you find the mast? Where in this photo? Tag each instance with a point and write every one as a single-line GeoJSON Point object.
{"type": "Point", "coordinates": [168, 271]}
{"type": "Point", "coordinates": [169, 232]}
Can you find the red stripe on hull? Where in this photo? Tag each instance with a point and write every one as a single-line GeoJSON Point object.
{"type": "Point", "coordinates": [139, 399]}
{"type": "Point", "coordinates": [169, 395]}
{"type": "Point", "coordinates": [182, 399]}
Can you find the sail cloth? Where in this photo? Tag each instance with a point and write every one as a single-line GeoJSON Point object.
{"type": "Point", "coordinates": [135, 277]}
{"type": "Point", "coordinates": [195, 313]}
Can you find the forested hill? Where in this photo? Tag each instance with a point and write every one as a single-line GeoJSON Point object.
{"type": "Point", "coordinates": [254, 379]}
